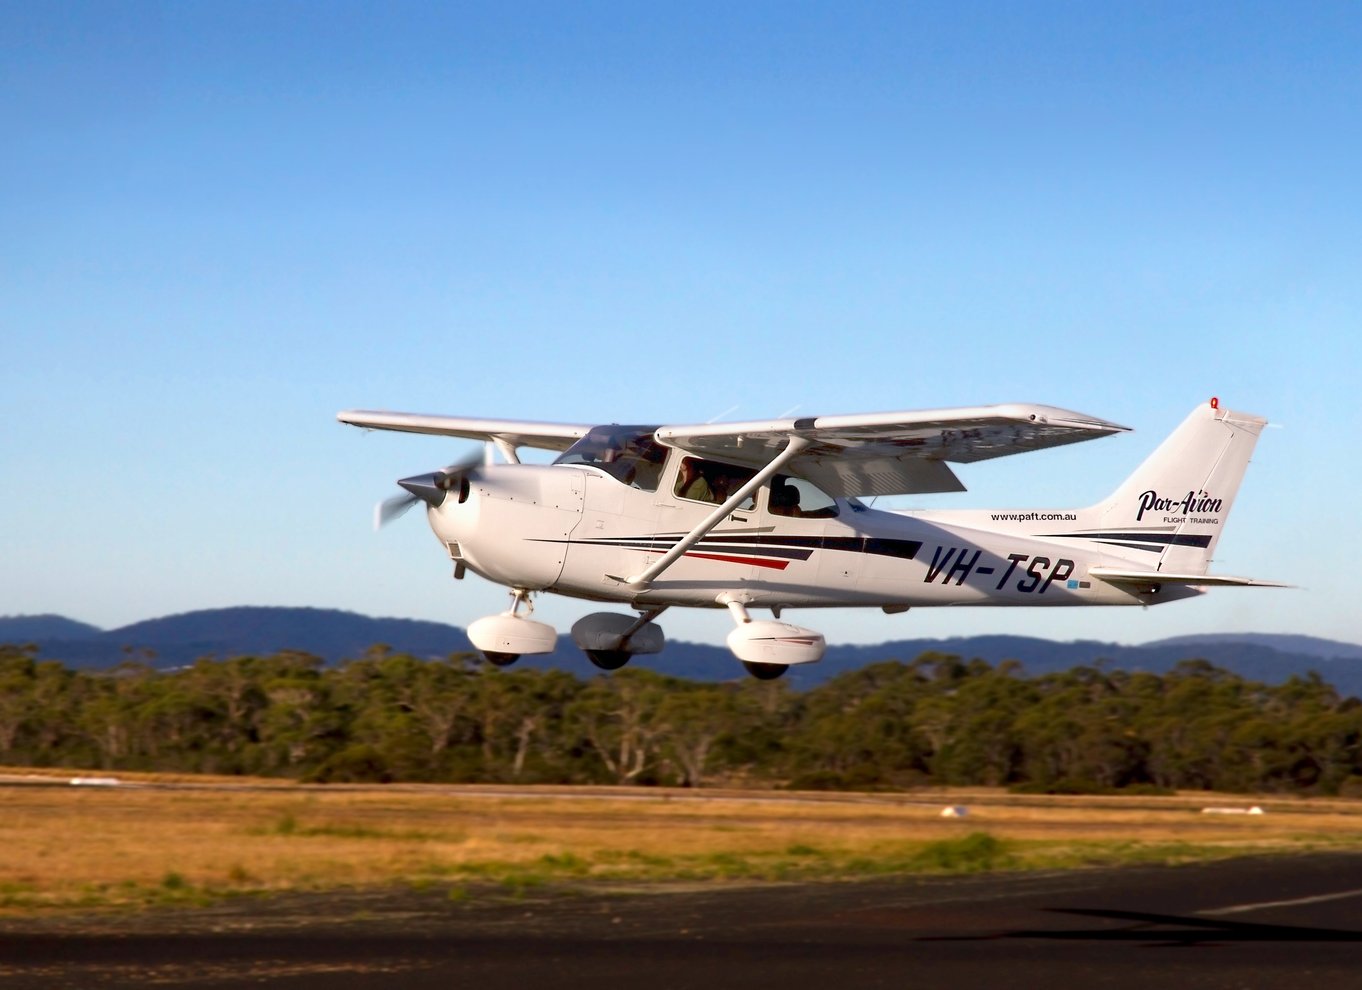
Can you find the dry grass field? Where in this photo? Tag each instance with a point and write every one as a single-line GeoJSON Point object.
{"type": "Point", "coordinates": [153, 840]}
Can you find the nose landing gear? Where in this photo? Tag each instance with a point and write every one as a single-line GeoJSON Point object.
{"type": "Point", "coordinates": [504, 638]}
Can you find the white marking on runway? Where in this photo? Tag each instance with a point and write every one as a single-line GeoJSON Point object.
{"type": "Point", "coordinates": [1318, 899]}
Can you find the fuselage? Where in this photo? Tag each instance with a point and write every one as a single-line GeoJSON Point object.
{"type": "Point", "coordinates": [577, 529]}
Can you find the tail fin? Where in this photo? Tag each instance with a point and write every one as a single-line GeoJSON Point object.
{"type": "Point", "coordinates": [1177, 501]}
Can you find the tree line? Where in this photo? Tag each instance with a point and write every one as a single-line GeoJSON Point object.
{"type": "Point", "coordinates": [389, 716]}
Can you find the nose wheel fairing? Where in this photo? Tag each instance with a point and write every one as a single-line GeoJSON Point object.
{"type": "Point", "coordinates": [505, 637]}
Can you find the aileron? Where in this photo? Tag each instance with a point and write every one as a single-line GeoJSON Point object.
{"type": "Point", "coordinates": [518, 433]}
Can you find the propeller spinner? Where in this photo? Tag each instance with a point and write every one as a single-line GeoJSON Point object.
{"type": "Point", "coordinates": [429, 488]}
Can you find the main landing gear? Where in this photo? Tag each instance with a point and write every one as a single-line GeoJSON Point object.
{"type": "Point", "coordinates": [766, 671]}
{"type": "Point", "coordinates": [611, 640]}
{"type": "Point", "coordinates": [768, 647]}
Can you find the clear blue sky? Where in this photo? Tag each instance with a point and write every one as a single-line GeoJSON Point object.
{"type": "Point", "coordinates": [224, 222]}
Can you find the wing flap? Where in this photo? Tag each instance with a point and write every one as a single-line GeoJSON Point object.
{"type": "Point", "coordinates": [843, 477]}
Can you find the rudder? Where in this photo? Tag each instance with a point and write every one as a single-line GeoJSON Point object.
{"type": "Point", "coordinates": [1177, 501]}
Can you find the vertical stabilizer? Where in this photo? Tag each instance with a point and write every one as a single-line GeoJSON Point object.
{"type": "Point", "coordinates": [1177, 501]}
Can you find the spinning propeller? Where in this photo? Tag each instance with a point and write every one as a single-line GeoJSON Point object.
{"type": "Point", "coordinates": [429, 488]}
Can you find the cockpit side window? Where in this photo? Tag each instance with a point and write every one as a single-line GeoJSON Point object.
{"type": "Point", "coordinates": [628, 454]}
{"type": "Point", "coordinates": [799, 498]}
{"type": "Point", "coordinates": [710, 481]}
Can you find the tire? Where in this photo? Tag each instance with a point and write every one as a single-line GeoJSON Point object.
{"type": "Point", "coordinates": [608, 659]}
{"type": "Point", "coordinates": [500, 659]}
{"type": "Point", "coordinates": [766, 671]}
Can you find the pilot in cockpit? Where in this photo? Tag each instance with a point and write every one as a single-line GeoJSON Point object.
{"type": "Point", "coordinates": [784, 500]}
{"type": "Point", "coordinates": [691, 482]}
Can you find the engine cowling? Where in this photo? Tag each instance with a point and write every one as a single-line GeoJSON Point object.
{"type": "Point", "coordinates": [769, 641]}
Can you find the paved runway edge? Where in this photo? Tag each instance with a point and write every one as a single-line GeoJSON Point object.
{"type": "Point", "coordinates": [1254, 922]}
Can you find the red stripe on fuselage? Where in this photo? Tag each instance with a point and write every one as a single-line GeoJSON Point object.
{"type": "Point", "coordinates": [779, 565]}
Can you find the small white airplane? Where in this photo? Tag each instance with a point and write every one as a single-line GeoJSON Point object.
{"type": "Point", "coordinates": [768, 515]}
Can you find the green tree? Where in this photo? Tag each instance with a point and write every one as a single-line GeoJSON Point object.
{"type": "Point", "coordinates": [618, 717]}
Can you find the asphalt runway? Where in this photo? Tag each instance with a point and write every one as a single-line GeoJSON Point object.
{"type": "Point", "coordinates": [1283, 922]}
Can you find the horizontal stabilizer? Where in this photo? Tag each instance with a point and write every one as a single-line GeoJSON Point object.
{"type": "Point", "coordinates": [1116, 576]}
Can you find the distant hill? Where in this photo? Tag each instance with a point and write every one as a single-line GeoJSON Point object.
{"type": "Point", "coordinates": [329, 633]}
{"type": "Point", "coordinates": [25, 628]}
{"type": "Point", "coordinates": [334, 636]}
{"type": "Point", "coordinates": [1304, 645]}
{"type": "Point", "coordinates": [176, 640]}
{"type": "Point", "coordinates": [1241, 654]}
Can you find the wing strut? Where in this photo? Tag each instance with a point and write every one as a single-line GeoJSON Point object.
{"type": "Point", "coordinates": [645, 577]}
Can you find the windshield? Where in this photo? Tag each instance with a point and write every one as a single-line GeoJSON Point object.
{"type": "Point", "coordinates": [626, 453]}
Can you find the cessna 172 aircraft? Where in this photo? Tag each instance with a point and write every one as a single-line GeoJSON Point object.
{"type": "Point", "coordinates": [769, 515]}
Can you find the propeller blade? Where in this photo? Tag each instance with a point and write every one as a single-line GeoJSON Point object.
{"type": "Point", "coordinates": [390, 508]}
{"type": "Point", "coordinates": [453, 473]}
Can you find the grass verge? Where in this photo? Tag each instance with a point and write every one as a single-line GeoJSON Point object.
{"type": "Point", "coordinates": [153, 844]}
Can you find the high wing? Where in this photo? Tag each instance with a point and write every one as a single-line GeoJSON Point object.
{"type": "Point", "coordinates": [515, 433]}
{"type": "Point", "coordinates": [891, 453]}
{"type": "Point", "coordinates": [862, 454]}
